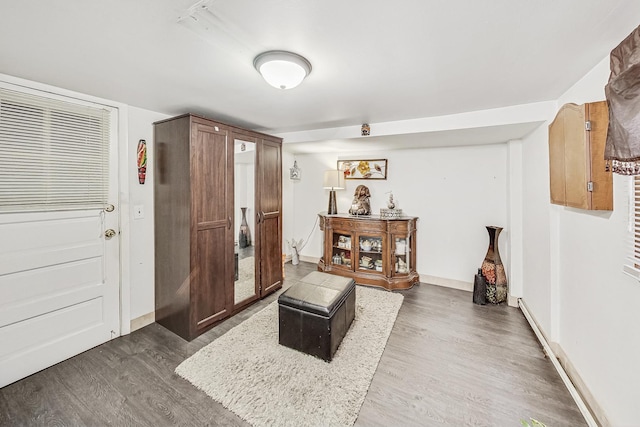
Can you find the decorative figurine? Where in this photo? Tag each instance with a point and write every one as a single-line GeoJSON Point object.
{"type": "Point", "coordinates": [390, 203]}
{"type": "Point", "coordinates": [390, 211]}
{"type": "Point", "coordinates": [360, 204]}
{"type": "Point", "coordinates": [365, 129]}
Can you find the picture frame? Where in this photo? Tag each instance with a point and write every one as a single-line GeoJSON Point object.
{"type": "Point", "coordinates": [369, 169]}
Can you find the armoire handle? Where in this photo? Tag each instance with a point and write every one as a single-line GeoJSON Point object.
{"type": "Point", "coordinates": [229, 223]}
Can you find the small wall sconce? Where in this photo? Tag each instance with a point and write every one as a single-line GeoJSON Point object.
{"type": "Point", "coordinates": [294, 172]}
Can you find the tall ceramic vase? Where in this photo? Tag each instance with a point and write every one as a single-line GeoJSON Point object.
{"type": "Point", "coordinates": [493, 270]}
{"type": "Point", "coordinates": [244, 237]}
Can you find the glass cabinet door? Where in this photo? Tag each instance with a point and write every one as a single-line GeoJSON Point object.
{"type": "Point", "coordinates": [341, 250]}
{"type": "Point", "coordinates": [370, 253]}
{"type": "Point", "coordinates": [401, 249]}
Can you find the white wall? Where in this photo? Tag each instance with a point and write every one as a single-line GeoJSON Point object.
{"type": "Point", "coordinates": [454, 191]}
{"type": "Point", "coordinates": [536, 226]}
{"type": "Point", "coordinates": [574, 283]}
{"type": "Point", "coordinates": [141, 251]}
{"type": "Point", "coordinates": [288, 205]}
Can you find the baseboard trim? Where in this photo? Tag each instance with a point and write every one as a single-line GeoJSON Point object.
{"type": "Point", "coordinates": [446, 283]}
{"type": "Point", "coordinates": [580, 385]}
{"type": "Point", "coordinates": [582, 406]}
{"type": "Point", "coordinates": [311, 259]}
{"type": "Point", "coordinates": [142, 321]}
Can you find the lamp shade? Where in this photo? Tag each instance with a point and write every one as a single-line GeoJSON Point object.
{"type": "Point", "coordinates": [282, 69]}
{"type": "Point", "coordinates": [333, 180]}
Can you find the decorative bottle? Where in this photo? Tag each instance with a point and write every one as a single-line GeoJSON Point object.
{"type": "Point", "coordinates": [493, 270]}
{"type": "Point", "coordinates": [244, 236]}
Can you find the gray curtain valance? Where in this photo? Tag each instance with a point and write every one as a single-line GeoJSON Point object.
{"type": "Point", "coordinates": [622, 149]}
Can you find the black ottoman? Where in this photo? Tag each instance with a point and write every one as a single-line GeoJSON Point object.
{"type": "Point", "coordinates": [316, 314]}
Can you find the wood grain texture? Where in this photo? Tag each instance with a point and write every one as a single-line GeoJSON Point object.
{"type": "Point", "coordinates": [602, 196]}
{"type": "Point", "coordinates": [194, 209]}
{"type": "Point", "coordinates": [364, 228]}
{"type": "Point", "coordinates": [269, 205]}
{"type": "Point", "coordinates": [447, 362]}
{"type": "Point", "coordinates": [576, 157]}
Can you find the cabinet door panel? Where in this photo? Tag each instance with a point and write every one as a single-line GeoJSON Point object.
{"type": "Point", "coordinates": [602, 195]}
{"type": "Point", "coordinates": [269, 202]}
{"type": "Point", "coordinates": [211, 198]}
{"type": "Point", "coordinates": [271, 255]}
{"type": "Point", "coordinates": [576, 158]}
{"type": "Point", "coordinates": [209, 174]}
{"type": "Point", "coordinates": [342, 247]}
{"type": "Point", "coordinates": [210, 293]}
{"type": "Point", "coordinates": [556, 160]}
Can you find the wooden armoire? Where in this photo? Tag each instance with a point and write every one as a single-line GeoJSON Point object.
{"type": "Point", "coordinates": [194, 221]}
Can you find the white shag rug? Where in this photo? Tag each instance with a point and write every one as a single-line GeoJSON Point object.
{"type": "Point", "coordinates": [267, 384]}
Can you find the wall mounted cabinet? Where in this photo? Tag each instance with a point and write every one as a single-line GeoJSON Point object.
{"type": "Point", "coordinates": [577, 169]}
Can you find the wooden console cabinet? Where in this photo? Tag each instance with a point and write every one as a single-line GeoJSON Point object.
{"type": "Point", "coordinates": [372, 250]}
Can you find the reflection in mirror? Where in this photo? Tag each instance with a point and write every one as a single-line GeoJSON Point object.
{"type": "Point", "coordinates": [244, 211]}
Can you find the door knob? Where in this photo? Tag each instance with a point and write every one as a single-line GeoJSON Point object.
{"type": "Point", "coordinates": [109, 233]}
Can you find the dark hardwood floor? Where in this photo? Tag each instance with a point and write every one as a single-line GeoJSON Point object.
{"type": "Point", "coordinates": [447, 362]}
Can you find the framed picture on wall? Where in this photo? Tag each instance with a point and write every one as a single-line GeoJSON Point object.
{"type": "Point", "coordinates": [363, 169]}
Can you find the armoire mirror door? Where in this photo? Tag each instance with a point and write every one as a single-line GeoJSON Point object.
{"type": "Point", "coordinates": [244, 220]}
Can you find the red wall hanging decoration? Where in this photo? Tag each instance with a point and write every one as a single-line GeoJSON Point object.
{"type": "Point", "coordinates": [142, 161]}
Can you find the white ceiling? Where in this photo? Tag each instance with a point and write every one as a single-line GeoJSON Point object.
{"type": "Point", "coordinates": [373, 61]}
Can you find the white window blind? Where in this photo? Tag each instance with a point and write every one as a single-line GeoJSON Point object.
{"type": "Point", "coordinates": [632, 264]}
{"type": "Point", "coordinates": [54, 154]}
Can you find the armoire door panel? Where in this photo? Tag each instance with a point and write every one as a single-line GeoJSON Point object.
{"type": "Point", "coordinates": [210, 292]}
{"type": "Point", "coordinates": [269, 169]}
{"type": "Point", "coordinates": [210, 173]}
{"type": "Point", "coordinates": [271, 254]}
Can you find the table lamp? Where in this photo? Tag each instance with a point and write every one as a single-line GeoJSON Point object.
{"type": "Point", "coordinates": [333, 180]}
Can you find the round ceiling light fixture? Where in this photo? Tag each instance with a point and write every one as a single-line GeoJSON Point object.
{"type": "Point", "coordinates": [282, 69]}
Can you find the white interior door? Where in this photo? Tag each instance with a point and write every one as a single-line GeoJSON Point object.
{"type": "Point", "coordinates": [59, 275]}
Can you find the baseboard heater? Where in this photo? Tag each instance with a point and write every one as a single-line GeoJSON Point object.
{"type": "Point", "coordinates": [563, 374]}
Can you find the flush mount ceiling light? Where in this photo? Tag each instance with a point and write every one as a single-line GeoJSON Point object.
{"type": "Point", "coordinates": [281, 69]}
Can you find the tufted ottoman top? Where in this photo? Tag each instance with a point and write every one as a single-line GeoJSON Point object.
{"type": "Point", "coordinates": [318, 293]}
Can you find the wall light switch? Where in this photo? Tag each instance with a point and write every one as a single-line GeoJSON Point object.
{"type": "Point", "coordinates": [138, 212]}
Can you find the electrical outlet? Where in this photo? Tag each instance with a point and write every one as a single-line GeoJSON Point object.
{"type": "Point", "coordinates": [138, 212]}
